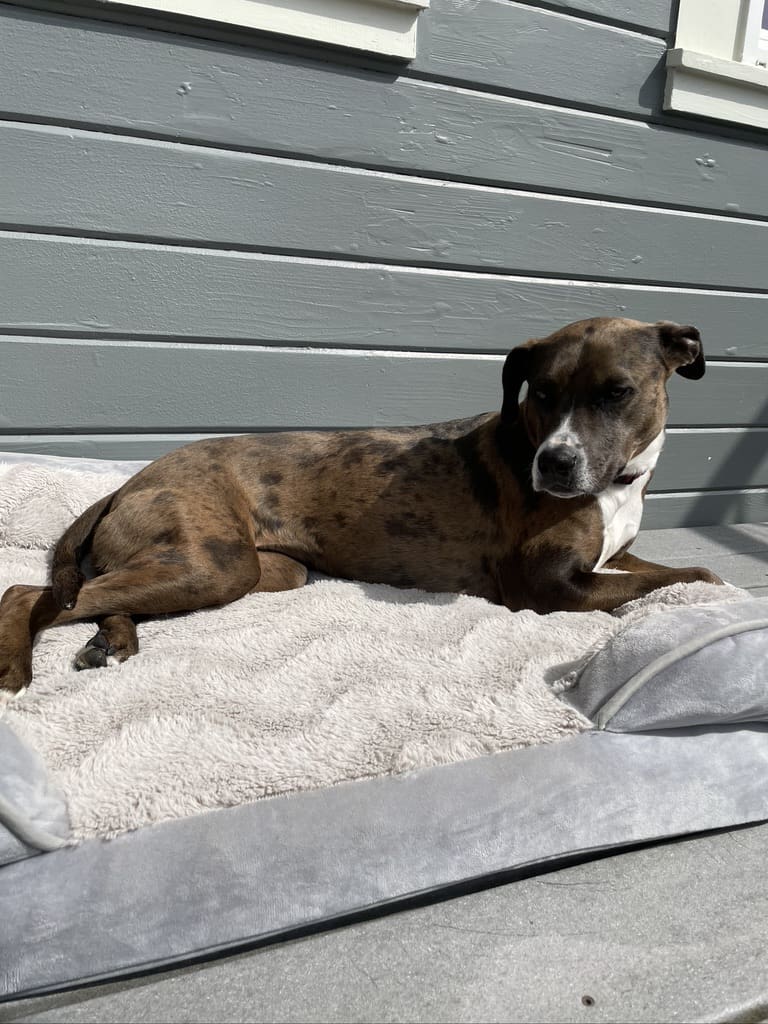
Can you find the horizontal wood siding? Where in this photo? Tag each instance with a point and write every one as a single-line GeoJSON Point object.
{"type": "Point", "coordinates": [71, 71]}
{"type": "Point", "coordinates": [73, 285]}
{"type": "Point", "coordinates": [98, 385]}
{"type": "Point", "coordinates": [198, 237]}
{"type": "Point", "coordinates": [499, 44]}
{"type": "Point", "coordinates": [65, 180]}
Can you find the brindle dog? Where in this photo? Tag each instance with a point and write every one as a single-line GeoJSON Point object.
{"type": "Point", "coordinates": [526, 508]}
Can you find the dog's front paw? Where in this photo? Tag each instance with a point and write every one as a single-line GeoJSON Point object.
{"type": "Point", "coordinates": [15, 675]}
{"type": "Point", "coordinates": [6, 696]}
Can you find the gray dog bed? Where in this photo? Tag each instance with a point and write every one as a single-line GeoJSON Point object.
{"type": "Point", "coordinates": [514, 742]}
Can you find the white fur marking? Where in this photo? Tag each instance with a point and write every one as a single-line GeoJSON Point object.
{"type": "Point", "coordinates": [6, 697]}
{"type": "Point", "coordinates": [561, 435]}
{"type": "Point", "coordinates": [621, 505]}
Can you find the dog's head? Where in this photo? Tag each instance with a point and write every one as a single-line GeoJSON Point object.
{"type": "Point", "coordinates": [596, 398]}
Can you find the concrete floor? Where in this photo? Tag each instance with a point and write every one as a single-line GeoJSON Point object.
{"type": "Point", "coordinates": [669, 932]}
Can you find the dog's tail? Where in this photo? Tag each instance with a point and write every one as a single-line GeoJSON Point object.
{"type": "Point", "coordinates": [66, 577]}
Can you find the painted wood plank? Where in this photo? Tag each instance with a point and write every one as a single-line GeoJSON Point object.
{"type": "Point", "coordinates": [691, 460]}
{"type": "Point", "coordinates": [716, 459]}
{"type": "Point", "coordinates": [731, 394]}
{"type": "Point", "coordinates": [78, 71]}
{"type": "Point", "coordinates": [66, 179]}
{"type": "Point", "coordinates": [663, 511]}
{"type": "Point", "coordinates": [519, 48]}
{"type": "Point", "coordinates": [67, 285]}
{"type": "Point", "coordinates": [745, 571]}
{"type": "Point", "coordinates": [709, 542]}
{"type": "Point", "coordinates": [653, 15]}
{"type": "Point", "coordinates": [736, 552]}
{"type": "Point", "coordinates": [110, 385]}
{"type": "Point", "coordinates": [211, 388]}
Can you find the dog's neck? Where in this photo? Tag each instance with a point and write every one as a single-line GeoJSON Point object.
{"type": "Point", "coordinates": [642, 462]}
{"type": "Point", "coordinates": [621, 503]}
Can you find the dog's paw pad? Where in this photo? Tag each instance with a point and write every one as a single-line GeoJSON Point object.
{"type": "Point", "coordinates": [100, 641]}
{"type": "Point", "coordinates": [90, 657]}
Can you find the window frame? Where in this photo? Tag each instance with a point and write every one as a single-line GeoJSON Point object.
{"type": "Point", "coordinates": [715, 68]}
{"type": "Point", "coordinates": [754, 48]}
{"type": "Point", "coordinates": [382, 27]}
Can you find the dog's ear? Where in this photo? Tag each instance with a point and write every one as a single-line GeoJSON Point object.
{"type": "Point", "coordinates": [516, 367]}
{"type": "Point", "coordinates": [682, 349]}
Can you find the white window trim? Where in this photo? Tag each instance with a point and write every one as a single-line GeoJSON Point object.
{"type": "Point", "coordinates": [754, 48]}
{"type": "Point", "coordinates": [386, 27]}
{"type": "Point", "coordinates": [713, 69]}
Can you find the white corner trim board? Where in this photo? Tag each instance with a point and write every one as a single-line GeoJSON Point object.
{"type": "Point", "coordinates": [386, 27]}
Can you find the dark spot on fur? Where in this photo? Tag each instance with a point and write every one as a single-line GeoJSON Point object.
{"type": "Point", "coordinates": [485, 490]}
{"type": "Point", "coordinates": [341, 519]}
{"type": "Point", "coordinates": [216, 467]}
{"type": "Point", "coordinates": [409, 524]}
{"type": "Point", "coordinates": [163, 498]}
{"type": "Point", "coordinates": [224, 552]}
{"type": "Point", "coordinates": [271, 479]}
{"type": "Point", "coordinates": [310, 522]}
{"type": "Point", "coordinates": [170, 537]}
{"type": "Point", "coordinates": [272, 501]}
{"type": "Point", "coordinates": [220, 447]}
{"type": "Point", "coordinates": [352, 458]}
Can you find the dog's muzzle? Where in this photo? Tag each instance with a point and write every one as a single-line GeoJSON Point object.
{"type": "Point", "coordinates": [557, 470]}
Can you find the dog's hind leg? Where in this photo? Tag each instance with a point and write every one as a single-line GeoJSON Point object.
{"type": "Point", "coordinates": [116, 638]}
{"type": "Point", "coordinates": [117, 633]}
{"type": "Point", "coordinates": [279, 572]}
{"type": "Point", "coordinates": [145, 586]}
{"type": "Point", "coordinates": [15, 641]}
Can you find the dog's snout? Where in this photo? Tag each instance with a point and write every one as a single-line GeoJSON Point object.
{"type": "Point", "coordinates": [558, 461]}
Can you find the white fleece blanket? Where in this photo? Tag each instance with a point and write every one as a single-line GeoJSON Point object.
{"type": "Point", "coordinates": [281, 692]}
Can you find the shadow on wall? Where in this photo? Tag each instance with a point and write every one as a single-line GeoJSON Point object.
{"type": "Point", "coordinates": [721, 501]}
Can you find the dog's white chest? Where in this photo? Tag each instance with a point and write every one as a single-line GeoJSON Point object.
{"type": "Point", "coordinates": [621, 505]}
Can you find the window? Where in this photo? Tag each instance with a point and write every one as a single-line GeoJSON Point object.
{"type": "Point", "coordinates": [755, 44]}
{"type": "Point", "coordinates": [719, 65]}
{"type": "Point", "coordinates": [385, 27]}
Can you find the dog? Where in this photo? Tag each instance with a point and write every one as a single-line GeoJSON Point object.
{"type": "Point", "coordinates": [533, 507]}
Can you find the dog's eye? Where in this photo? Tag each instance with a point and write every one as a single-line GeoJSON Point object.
{"type": "Point", "coordinates": [543, 394]}
{"type": "Point", "coordinates": [616, 394]}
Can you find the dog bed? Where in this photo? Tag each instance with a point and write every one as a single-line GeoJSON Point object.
{"type": "Point", "coordinates": [295, 758]}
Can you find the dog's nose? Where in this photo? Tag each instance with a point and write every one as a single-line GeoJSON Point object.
{"type": "Point", "coordinates": [557, 462]}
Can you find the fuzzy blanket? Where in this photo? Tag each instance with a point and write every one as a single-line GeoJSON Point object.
{"type": "Point", "coordinates": [281, 692]}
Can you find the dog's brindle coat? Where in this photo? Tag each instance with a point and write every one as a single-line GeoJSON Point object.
{"type": "Point", "coordinates": [464, 506]}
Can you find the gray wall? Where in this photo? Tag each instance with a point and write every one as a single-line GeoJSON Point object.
{"type": "Point", "coordinates": [202, 237]}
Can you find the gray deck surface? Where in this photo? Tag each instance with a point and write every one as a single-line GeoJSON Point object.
{"type": "Point", "coordinates": [670, 932]}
